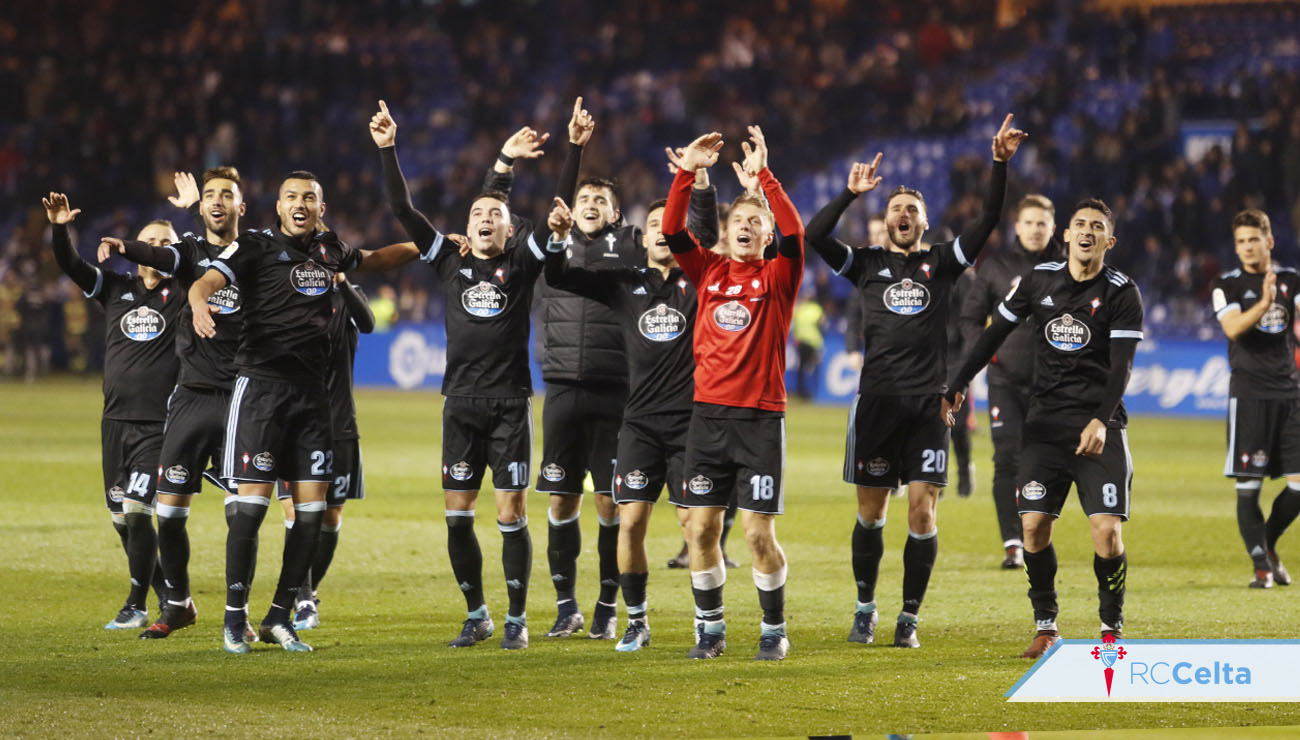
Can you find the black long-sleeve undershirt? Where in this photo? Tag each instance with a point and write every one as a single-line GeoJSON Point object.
{"type": "Point", "coordinates": [566, 188]}
{"type": "Point", "coordinates": [972, 240]}
{"type": "Point", "coordinates": [1122, 352]}
{"type": "Point", "coordinates": [417, 226]}
{"type": "Point", "coordinates": [84, 274]}
{"type": "Point", "coordinates": [358, 307]}
{"type": "Point", "coordinates": [159, 258]}
{"type": "Point", "coordinates": [980, 354]}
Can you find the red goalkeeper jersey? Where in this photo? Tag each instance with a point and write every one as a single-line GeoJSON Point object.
{"type": "Point", "coordinates": [744, 307]}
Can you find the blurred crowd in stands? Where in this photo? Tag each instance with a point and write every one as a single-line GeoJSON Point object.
{"type": "Point", "coordinates": [107, 98]}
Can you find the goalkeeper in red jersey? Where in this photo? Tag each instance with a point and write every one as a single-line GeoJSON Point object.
{"type": "Point", "coordinates": [737, 431]}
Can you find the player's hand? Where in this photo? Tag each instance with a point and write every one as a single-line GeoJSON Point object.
{"type": "Point", "coordinates": [581, 124]}
{"type": "Point", "coordinates": [107, 246]}
{"type": "Point", "coordinates": [699, 154]}
{"type": "Point", "coordinates": [461, 241]}
{"type": "Point", "coordinates": [747, 181]}
{"type": "Point", "coordinates": [862, 176]}
{"type": "Point", "coordinates": [187, 190]}
{"type": "Point", "coordinates": [948, 410]}
{"type": "Point", "coordinates": [1093, 439]}
{"type": "Point", "coordinates": [560, 220]}
{"type": "Point", "coordinates": [339, 278]}
{"type": "Point", "coordinates": [855, 359]}
{"type": "Point", "coordinates": [525, 144]}
{"type": "Point", "coordinates": [204, 326]}
{"type": "Point", "coordinates": [57, 210]}
{"type": "Point", "coordinates": [383, 129]}
{"type": "Point", "coordinates": [1007, 140]}
{"type": "Point", "coordinates": [755, 155]}
{"type": "Point", "coordinates": [1269, 291]}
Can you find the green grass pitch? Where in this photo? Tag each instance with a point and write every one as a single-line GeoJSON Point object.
{"type": "Point", "coordinates": [389, 605]}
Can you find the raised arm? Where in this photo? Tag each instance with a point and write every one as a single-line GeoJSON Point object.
{"type": "Point", "coordinates": [700, 154]}
{"type": "Point", "coordinates": [383, 129]}
{"type": "Point", "coordinates": [581, 124]}
{"type": "Point", "coordinates": [592, 284]}
{"type": "Point", "coordinates": [522, 144]}
{"type": "Point", "coordinates": [85, 275]}
{"type": "Point", "coordinates": [166, 259]}
{"type": "Point", "coordinates": [357, 305]}
{"type": "Point", "coordinates": [973, 238]}
{"type": "Point", "coordinates": [837, 254]}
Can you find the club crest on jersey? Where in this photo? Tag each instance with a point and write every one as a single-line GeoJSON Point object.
{"type": "Point", "coordinates": [264, 461]}
{"type": "Point", "coordinates": [699, 485]}
{"type": "Point", "coordinates": [1067, 333]}
{"type": "Point", "coordinates": [484, 300]}
{"type": "Point", "coordinates": [732, 316]}
{"type": "Point", "coordinates": [458, 471]}
{"type": "Point", "coordinates": [553, 473]}
{"type": "Point", "coordinates": [906, 297]}
{"type": "Point", "coordinates": [1033, 491]}
{"type": "Point", "coordinates": [878, 466]}
{"type": "Point", "coordinates": [1095, 304]}
{"type": "Point", "coordinates": [636, 480]}
{"type": "Point", "coordinates": [925, 267]}
{"type": "Point", "coordinates": [996, 414]}
{"type": "Point", "coordinates": [143, 324]}
{"type": "Point", "coordinates": [176, 474]}
{"type": "Point", "coordinates": [1273, 321]}
{"type": "Point", "coordinates": [662, 324]}
{"type": "Point", "coordinates": [310, 279]}
{"type": "Point", "coordinates": [226, 300]}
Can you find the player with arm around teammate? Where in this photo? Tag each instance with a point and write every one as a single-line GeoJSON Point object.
{"type": "Point", "coordinates": [655, 306]}
{"type": "Point", "coordinates": [1256, 305]}
{"type": "Point", "coordinates": [1089, 319]}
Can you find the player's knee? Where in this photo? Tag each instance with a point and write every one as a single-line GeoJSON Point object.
{"type": "Point", "coordinates": [921, 519]}
{"type": "Point", "coordinates": [605, 506]}
{"type": "Point", "coordinates": [134, 509]}
{"type": "Point", "coordinates": [565, 507]}
{"type": "Point", "coordinates": [1037, 532]}
{"type": "Point", "coordinates": [333, 517]}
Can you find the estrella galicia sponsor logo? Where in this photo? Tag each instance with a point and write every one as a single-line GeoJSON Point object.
{"type": "Point", "coordinates": [662, 323]}
{"type": "Point", "coordinates": [264, 461]}
{"type": "Point", "coordinates": [699, 485]}
{"type": "Point", "coordinates": [878, 466]}
{"type": "Point", "coordinates": [906, 297]}
{"type": "Point", "coordinates": [553, 473]}
{"type": "Point", "coordinates": [1067, 333]}
{"type": "Point", "coordinates": [636, 480]}
{"type": "Point", "coordinates": [484, 300]}
{"type": "Point", "coordinates": [310, 279]}
{"type": "Point", "coordinates": [177, 474]}
{"type": "Point", "coordinates": [459, 471]}
{"type": "Point", "coordinates": [115, 494]}
{"type": "Point", "coordinates": [1273, 321]}
{"type": "Point", "coordinates": [226, 300]}
{"type": "Point", "coordinates": [732, 316]}
{"type": "Point", "coordinates": [1033, 491]}
{"type": "Point", "coordinates": [143, 324]}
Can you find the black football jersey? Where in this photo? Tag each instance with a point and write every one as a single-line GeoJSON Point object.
{"type": "Point", "coordinates": [1075, 323]}
{"type": "Point", "coordinates": [205, 363]}
{"type": "Point", "coordinates": [906, 303]}
{"type": "Point", "coordinates": [140, 362]}
{"type": "Point", "coordinates": [286, 288]}
{"type": "Point", "coordinates": [486, 307]}
{"type": "Point", "coordinates": [1262, 358]}
{"type": "Point", "coordinates": [657, 317]}
{"type": "Point", "coordinates": [343, 335]}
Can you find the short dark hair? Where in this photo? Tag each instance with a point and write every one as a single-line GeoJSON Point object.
{"type": "Point", "coordinates": [224, 172]}
{"type": "Point", "coordinates": [661, 203]}
{"type": "Point", "coordinates": [160, 222]}
{"type": "Point", "coordinates": [600, 182]}
{"type": "Point", "coordinates": [300, 175]}
{"type": "Point", "coordinates": [494, 195]}
{"type": "Point", "coordinates": [1034, 200]}
{"type": "Point", "coordinates": [1255, 218]}
{"type": "Point", "coordinates": [905, 190]}
{"type": "Point", "coordinates": [1096, 204]}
